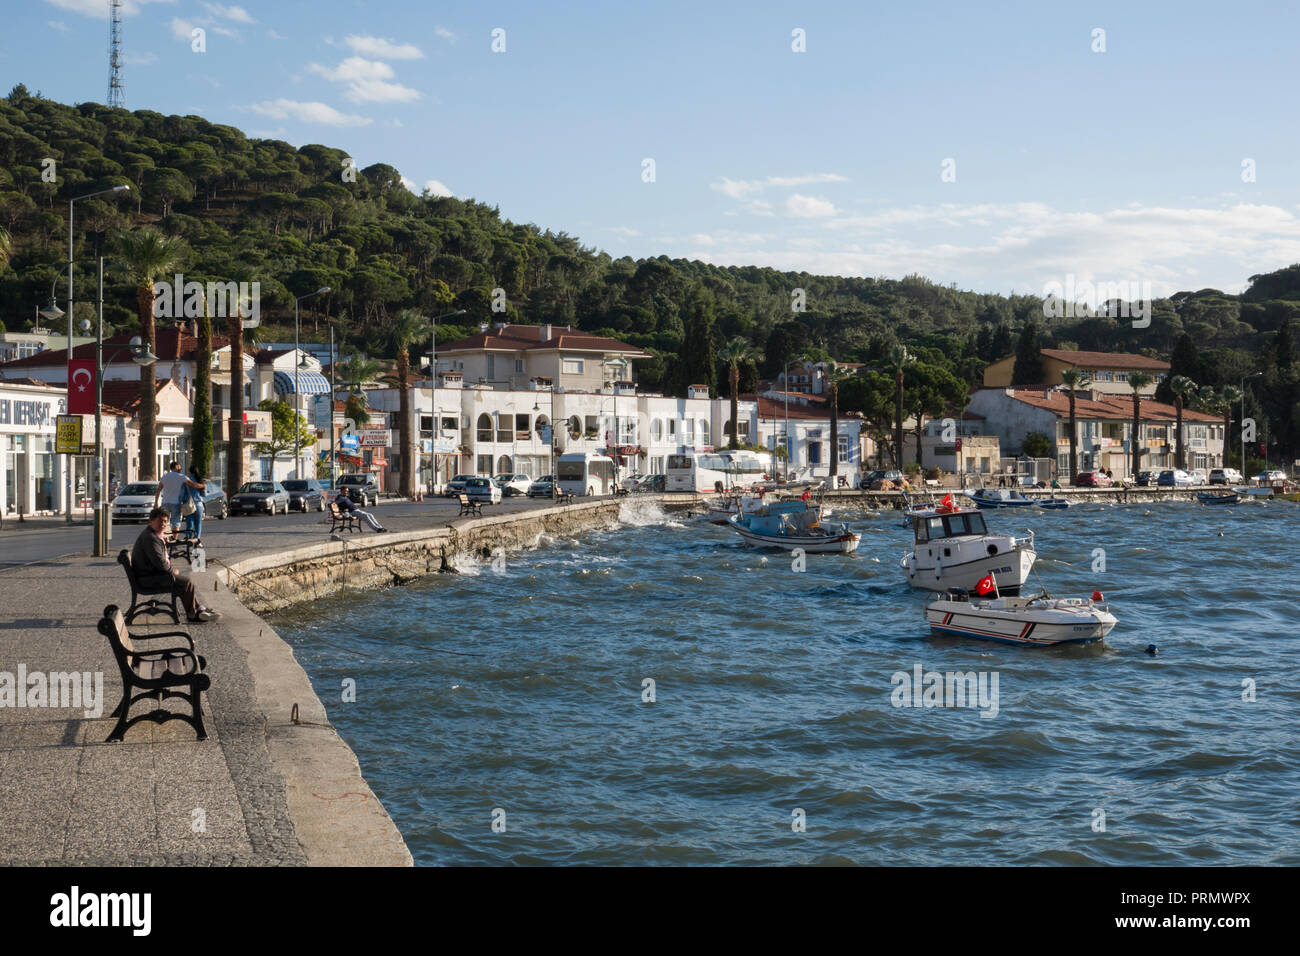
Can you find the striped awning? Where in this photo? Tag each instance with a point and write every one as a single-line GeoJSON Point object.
{"type": "Point", "coordinates": [309, 383]}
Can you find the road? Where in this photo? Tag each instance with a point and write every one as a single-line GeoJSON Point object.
{"type": "Point", "coordinates": [47, 539]}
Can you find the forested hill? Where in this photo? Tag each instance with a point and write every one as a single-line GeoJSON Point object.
{"type": "Point", "coordinates": [257, 209]}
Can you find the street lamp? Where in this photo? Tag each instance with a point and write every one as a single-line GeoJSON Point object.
{"type": "Point", "coordinates": [433, 391]}
{"type": "Point", "coordinates": [71, 213]}
{"type": "Point", "coordinates": [297, 395]}
{"type": "Point", "coordinates": [537, 408]}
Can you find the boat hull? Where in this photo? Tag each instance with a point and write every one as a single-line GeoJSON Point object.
{"type": "Point", "coordinates": [1019, 622]}
{"type": "Point", "coordinates": [1009, 568]}
{"type": "Point", "coordinates": [842, 543]}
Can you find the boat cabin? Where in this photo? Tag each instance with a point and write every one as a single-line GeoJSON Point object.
{"type": "Point", "coordinates": [933, 525]}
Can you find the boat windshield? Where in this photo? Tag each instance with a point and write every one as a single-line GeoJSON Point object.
{"type": "Point", "coordinates": [950, 526]}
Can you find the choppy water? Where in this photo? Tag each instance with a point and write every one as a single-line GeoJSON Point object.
{"type": "Point", "coordinates": [773, 692]}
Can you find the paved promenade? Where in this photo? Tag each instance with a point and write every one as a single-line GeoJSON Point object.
{"type": "Point", "coordinates": [161, 797]}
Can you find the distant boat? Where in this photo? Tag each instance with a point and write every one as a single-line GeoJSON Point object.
{"type": "Point", "coordinates": [1218, 498]}
{"type": "Point", "coordinates": [1033, 621]}
{"type": "Point", "coordinates": [1012, 498]}
{"type": "Point", "coordinates": [954, 549]}
{"type": "Point", "coordinates": [794, 524]}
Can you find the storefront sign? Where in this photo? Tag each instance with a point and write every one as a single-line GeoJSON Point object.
{"type": "Point", "coordinates": [35, 414]}
{"type": "Point", "coordinates": [67, 440]}
{"type": "Point", "coordinates": [375, 437]}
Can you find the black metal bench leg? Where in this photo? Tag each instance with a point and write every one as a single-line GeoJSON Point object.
{"type": "Point", "coordinates": [196, 699]}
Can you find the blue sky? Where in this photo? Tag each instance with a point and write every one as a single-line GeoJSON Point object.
{"type": "Point", "coordinates": [1117, 166]}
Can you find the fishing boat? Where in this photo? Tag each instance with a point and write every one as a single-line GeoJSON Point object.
{"type": "Point", "coordinates": [1039, 621]}
{"type": "Point", "coordinates": [953, 548]}
{"type": "Point", "coordinates": [1012, 498]}
{"type": "Point", "coordinates": [791, 525]}
{"type": "Point", "coordinates": [1218, 497]}
{"type": "Point", "coordinates": [721, 509]}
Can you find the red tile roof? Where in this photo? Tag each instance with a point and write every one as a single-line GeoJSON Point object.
{"type": "Point", "coordinates": [1120, 360]}
{"type": "Point", "coordinates": [519, 338]}
{"type": "Point", "coordinates": [125, 394]}
{"type": "Point", "coordinates": [170, 345]}
{"type": "Point", "coordinates": [774, 408]}
{"type": "Point", "coordinates": [1115, 408]}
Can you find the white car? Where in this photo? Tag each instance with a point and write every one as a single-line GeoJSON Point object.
{"type": "Point", "coordinates": [1270, 477]}
{"type": "Point", "coordinates": [1199, 477]}
{"type": "Point", "coordinates": [1225, 476]}
{"type": "Point", "coordinates": [135, 501]}
{"type": "Point", "coordinates": [483, 490]}
{"type": "Point", "coordinates": [513, 484]}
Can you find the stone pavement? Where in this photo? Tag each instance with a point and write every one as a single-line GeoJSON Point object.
{"type": "Point", "coordinates": [161, 797]}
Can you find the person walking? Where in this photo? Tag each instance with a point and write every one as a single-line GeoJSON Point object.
{"type": "Point", "coordinates": [153, 566]}
{"type": "Point", "coordinates": [346, 505]}
{"type": "Point", "coordinates": [169, 491]}
{"type": "Point", "coordinates": [193, 493]}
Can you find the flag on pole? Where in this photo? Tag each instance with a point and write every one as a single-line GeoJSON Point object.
{"type": "Point", "coordinates": [986, 585]}
{"type": "Point", "coordinates": [81, 387]}
{"type": "Point", "coordinates": [947, 501]}
{"type": "Point", "coordinates": [1097, 596]}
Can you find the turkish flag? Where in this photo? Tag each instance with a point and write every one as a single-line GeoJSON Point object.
{"type": "Point", "coordinates": [1097, 596]}
{"type": "Point", "coordinates": [81, 386]}
{"type": "Point", "coordinates": [986, 585]}
{"type": "Point", "coordinates": [947, 501]}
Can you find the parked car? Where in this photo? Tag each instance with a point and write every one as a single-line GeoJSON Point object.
{"type": "Point", "coordinates": [255, 496]}
{"type": "Point", "coordinates": [457, 485]}
{"type": "Point", "coordinates": [631, 481]}
{"type": "Point", "coordinates": [511, 485]}
{"type": "Point", "coordinates": [483, 490]}
{"type": "Point", "coordinates": [1174, 478]}
{"type": "Point", "coordinates": [362, 487]}
{"type": "Point", "coordinates": [652, 484]}
{"type": "Point", "coordinates": [1092, 479]}
{"type": "Point", "coordinates": [1225, 476]}
{"type": "Point", "coordinates": [305, 494]}
{"type": "Point", "coordinates": [871, 478]}
{"type": "Point", "coordinates": [1145, 479]}
{"type": "Point", "coordinates": [215, 504]}
{"type": "Point", "coordinates": [542, 487]}
{"type": "Point", "coordinates": [135, 501]}
{"type": "Point", "coordinates": [1199, 476]}
{"type": "Point", "coordinates": [1270, 478]}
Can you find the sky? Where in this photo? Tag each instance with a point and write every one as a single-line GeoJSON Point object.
{"type": "Point", "coordinates": [997, 146]}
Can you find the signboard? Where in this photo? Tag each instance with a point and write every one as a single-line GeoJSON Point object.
{"type": "Point", "coordinates": [349, 442]}
{"type": "Point", "coordinates": [322, 408]}
{"type": "Point", "coordinates": [546, 434]}
{"type": "Point", "coordinates": [446, 446]}
{"type": "Point", "coordinates": [67, 440]}
{"type": "Point", "coordinates": [375, 437]}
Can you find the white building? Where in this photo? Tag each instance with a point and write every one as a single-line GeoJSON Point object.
{"type": "Point", "coordinates": [33, 477]}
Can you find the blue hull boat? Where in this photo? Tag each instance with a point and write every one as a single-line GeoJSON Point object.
{"type": "Point", "coordinates": [1210, 498]}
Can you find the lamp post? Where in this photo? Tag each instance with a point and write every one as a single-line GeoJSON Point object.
{"type": "Point", "coordinates": [71, 213]}
{"type": "Point", "coordinates": [433, 390]}
{"type": "Point", "coordinates": [334, 466]}
{"type": "Point", "coordinates": [1243, 419]}
{"type": "Point", "coordinates": [297, 395]}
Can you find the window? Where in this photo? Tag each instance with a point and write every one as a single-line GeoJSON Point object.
{"type": "Point", "coordinates": [484, 427]}
{"type": "Point", "coordinates": [491, 367]}
{"type": "Point", "coordinates": [519, 366]}
{"type": "Point", "coordinates": [656, 430]}
{"type": "Point", "coordinates": [688, 431]}
{"type": "Point", "coordinates": [672, 428]}
{"type": "Point", "coordinates": [572, 366]}
{"type": "Point", "coordinates": [593, 426]}
{"type": "Point", "coordinates": [484, 464]}
{"type": "Point", "coordinates": [844, 448]}
{"type": "Point", "coordinates": [575, 427]}
{"type": "Point", "coordinates": [702, 429]}
{"type": "Point", "coordinates": [505, 427]}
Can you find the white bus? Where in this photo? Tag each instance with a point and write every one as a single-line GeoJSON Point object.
{"type": "Point", "coordinates": [710, 472]}
{"type": "Point", "coordinates": [583, 473]}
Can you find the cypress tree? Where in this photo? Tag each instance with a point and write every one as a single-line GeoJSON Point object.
{"type": "Point", "coordinates": [1028, 369]}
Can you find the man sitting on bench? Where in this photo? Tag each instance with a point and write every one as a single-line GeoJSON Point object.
{"type": "Point", "coordinates": [345, 504]}
{"type": "Point", "coordinates": [153, 567]}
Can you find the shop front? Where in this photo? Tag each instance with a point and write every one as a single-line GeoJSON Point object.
{"type": "Point", "coordinates": [32, 474]}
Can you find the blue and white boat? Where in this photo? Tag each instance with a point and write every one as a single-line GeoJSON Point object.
{"type": "Point", "coordinates": [1040, 621]}
{"type": "Point", "coordinates": [1012, 498]}
{"type": "Point", "coordinates": [794, 524]}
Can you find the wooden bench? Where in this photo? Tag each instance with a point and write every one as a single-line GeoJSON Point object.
{"type": "Point", "coordinates": [152, 605]}
{"type": "Point", "coordinates": [181, 545]}
{"type": "Point", "coordinates": [342, 519]}
{"type": "Point", "coordinates": [563, 497]}
{"type": "Point", "coordinates": [468, 507]}
{"type": "Point", "coordinates": [154, 673]}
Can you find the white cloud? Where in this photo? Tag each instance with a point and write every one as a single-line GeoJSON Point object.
{"type": "Point", "coordinates": [626, 231]}
{"type": "Point", "coordinates": [383, 49]}
{"type": "Point", "coordinates": [181, 29]}
{"type": "Point", "coordinates": [236, 13]}
{"type": "Point", "coordinates": [436, 188]}
{"type": "Point", "coordinates": [740, 188]}
{"type": "Point", "coordinates": [410, 185]}
{"type": "Point", "coordinates": [275, 36]}
{"type": "Point", "coordinates": [808, 207]}
{"type": "Point", "coordinates": [57, 25]}
{"type": "Point", "coordinates": [99, 8]}
{"type": "Point", "coordinates": [368, 81]}
{"type": "Point", "coordinates": [444, 33]}
{"type": "Point", "coordinates": [307, 113]}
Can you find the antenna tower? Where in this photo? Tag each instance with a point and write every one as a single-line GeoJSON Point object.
{"type": "Point", "coordinates": [116, 88]}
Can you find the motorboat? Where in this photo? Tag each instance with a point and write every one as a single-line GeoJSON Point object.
{"type": "Point", "coordinates": [794, 524]}
{"type": "Point", "coordinates": [1013, 498]}
{"type": "Point", "coordinates": [1039, 621]}
{"type": "Point", "coordinates": [721, 509]}
{"type": "Point", "coordinates": [953, 548]}
{"type": "Point", "coordinates": [1218, 497]}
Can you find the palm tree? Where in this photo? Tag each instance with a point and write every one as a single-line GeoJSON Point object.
{"type": "Point", "coordinates": [1137, 381]}
{"type": "Point", "coordinates": [149, 255]}
{"type": "Point", "coordinates": [834, 374]}
{"type": "Point", "coordinates": [1074, 379]}
{"type": "Point", "coordinates": [1229, 396]}
{"type": "Point", "coordinates": [235, 446]}
{"type": "Point", "coordinates": [899, 357]}
{"type": "Point", "coordinates": [1182, 387]}
{"type": "Point", "coordinates": [735, 354]}
{"type": "Point", "coordinates": [407, 327]}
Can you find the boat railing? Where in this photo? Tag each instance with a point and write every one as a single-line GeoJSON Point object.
{"type": "Point", "coordinates": [1026, 541]}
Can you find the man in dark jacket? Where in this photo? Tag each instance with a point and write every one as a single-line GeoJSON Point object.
{"type": "Point", "coordinates": [153, 566]}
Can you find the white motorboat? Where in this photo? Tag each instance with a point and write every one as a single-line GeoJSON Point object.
{"type": "Point", "coordinates": [794, 524]}
{"type": "Point", "coordinates": [954, 549]}
{"type": "Point", "coordinates": [1035, 621]}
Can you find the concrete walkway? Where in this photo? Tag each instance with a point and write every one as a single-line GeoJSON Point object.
{"type": "Point", "coordinates": [260, 790]}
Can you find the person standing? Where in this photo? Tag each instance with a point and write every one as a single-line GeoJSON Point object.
{"type": "Point", "coordinates": [153, 566]}
{"type": "Point", "coordinates": [194, 491]}
{"type": "Point", "coordinates": [168, 495]}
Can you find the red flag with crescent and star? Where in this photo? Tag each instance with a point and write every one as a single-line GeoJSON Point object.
{"type": "Point", "coordinates": [946, 504]}
{"type": "Point", "coordinates": [986, 585]}
{"type": "Point", "coordinates": [81, 387]}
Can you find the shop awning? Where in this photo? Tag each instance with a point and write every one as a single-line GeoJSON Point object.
{"type": "Point", "coordinates": [309, 383]}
